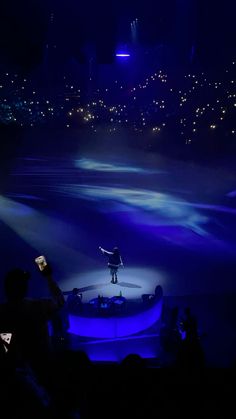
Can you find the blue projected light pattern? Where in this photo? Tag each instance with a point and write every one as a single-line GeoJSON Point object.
{"type": "Point", "coordinates": [153, 208]}
{"type": "Point", "coordinates": [132, 194]}
{"type": "Point", "coordinates": [89, 164]}
{"type": "Point", "coordinates": [231, 194]}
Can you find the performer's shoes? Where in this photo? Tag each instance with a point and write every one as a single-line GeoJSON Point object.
{"type": "Point", "coordinates": [114, 281]}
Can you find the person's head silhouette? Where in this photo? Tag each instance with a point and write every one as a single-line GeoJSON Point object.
{"type": "Point", "coordinates": [116, 250]}
{"type": "Point", "coordinates": [16, 284]}
{"type": "Point", "coordinates": [75, 291]}
{"type": "Point", "coordinates": [133, 361]}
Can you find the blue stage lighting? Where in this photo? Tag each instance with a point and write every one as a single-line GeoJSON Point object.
{"type": "Point", "coordinates": [122, 55]}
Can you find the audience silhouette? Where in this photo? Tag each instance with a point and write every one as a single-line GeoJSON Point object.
{"type": "Point", "coordinates": [27, 319]}
{"type": "Point", "coordinates": [74, 301]}
{"type": "Point", "coordinates": [46, 383]}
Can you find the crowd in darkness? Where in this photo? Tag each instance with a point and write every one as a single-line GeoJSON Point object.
{"type": "Point", "coordinates": [45, 378]}
{"type": "Point", "coordinates": [193, 108]}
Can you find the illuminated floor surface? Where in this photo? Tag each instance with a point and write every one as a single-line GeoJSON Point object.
{"type": "Point", "coordinates": [174, 222]}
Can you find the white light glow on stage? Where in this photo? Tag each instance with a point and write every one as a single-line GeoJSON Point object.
{"type": "Point", "coordinates": [157, 208]}
{"type": "Point", "coordinates": [122, 55]}
{"type": "Point", "coordinates": [94, 165]}
{"type": "Point", "coordinates": [132, 283]}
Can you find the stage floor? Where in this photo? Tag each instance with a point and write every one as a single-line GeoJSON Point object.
{"type": "Point", "coordinates": [174, 221]}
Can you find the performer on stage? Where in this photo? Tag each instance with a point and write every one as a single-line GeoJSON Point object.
{"type": "Point", "coordinates": [114, 262]}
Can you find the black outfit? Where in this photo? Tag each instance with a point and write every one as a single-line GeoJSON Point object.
{"type": "Point", "coordinates": [114, 262]}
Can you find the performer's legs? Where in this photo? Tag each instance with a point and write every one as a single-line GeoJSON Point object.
{"type": "Point", "coordinates": [112, 275]}
{"type": "Point", "coordinates": [115, 274]}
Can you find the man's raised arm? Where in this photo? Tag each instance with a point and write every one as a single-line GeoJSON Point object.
{"type": "Point", "coordinates": [104, 251]}
{"type": "Point", "coordinates": [54, 289]}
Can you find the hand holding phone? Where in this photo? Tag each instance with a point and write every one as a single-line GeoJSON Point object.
{"type": "Point", "coordinates": [41, 262]}
{"type": "Point", "coordinates": [6, 339]}
{"type": "Point", "coordinates": [44, 266]}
